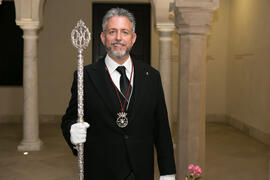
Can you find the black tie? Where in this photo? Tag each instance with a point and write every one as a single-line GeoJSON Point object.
{"type": "Point", "coordinates": [124, 82]}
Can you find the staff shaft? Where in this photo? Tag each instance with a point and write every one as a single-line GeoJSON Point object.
{"type": "Point", "coordinates": [80, 147]}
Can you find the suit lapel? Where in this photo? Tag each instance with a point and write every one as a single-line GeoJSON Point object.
{"type": "Point", "coordinates": [137, 97]}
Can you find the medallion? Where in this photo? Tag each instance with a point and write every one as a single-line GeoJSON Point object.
{"type": "Point", "coordinates": [122, 120]}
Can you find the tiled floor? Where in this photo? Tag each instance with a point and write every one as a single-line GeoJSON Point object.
{"type": "Point", "coordinates": [230, 155]}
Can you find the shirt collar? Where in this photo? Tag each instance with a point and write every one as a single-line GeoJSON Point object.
{"type": "Point", "coordinates": [112, 65]}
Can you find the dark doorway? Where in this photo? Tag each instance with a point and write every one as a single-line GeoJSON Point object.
{"type": "Point", "coordinates": [142, 12]}
{"type": "Point", "coordinates": [11, 47]}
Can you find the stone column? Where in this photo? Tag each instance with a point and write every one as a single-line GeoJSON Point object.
{"type": "Point", "coordinates": [165, 49]}
{"type": "Point", "coordinates": [29, 17]}
{"type": "Point", "coordinates": [31, 141]}
{"type": "Point", "coordinates": [193, 21]}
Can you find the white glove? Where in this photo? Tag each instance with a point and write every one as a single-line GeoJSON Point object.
{"type": "Point", "coordinates": [78, 133]}
{"type": "Point", "coordinates": [167, 177]}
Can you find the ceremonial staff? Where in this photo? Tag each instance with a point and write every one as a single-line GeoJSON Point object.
{"type": "Point", "coordinates": [80, 37]}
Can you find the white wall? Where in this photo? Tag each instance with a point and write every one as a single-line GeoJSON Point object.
{"type": "Point", "coordinates": [217, 55]}
{"type": "Point", "coordinates": [248, 83]}
{"type": "Point", "coordinates": [238, 76]}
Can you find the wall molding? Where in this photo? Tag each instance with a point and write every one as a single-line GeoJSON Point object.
{"type": "Point", "coordinates": [216, 118]}
{"type": "Point", "coordinates": [241, 126]}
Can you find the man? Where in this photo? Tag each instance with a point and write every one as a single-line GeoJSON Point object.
{"type": "Point", "coordinates": [124, 111]}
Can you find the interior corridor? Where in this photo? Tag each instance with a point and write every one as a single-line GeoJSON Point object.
{"type": "Point", "coordinates": [230, 155]}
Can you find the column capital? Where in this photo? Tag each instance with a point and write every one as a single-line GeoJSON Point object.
{"type": "Point", "coordinates": [209, 4]}
{"type": "Point", "coordinates": [194, 17]}
{"type": "Point", "coordinates": [165, 27]}
{"type": "Point", "coordinates": [28, 24]}
{"type": "Point", "coordinates": [29, 13]}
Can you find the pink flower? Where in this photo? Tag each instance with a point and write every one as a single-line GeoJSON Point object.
{"type": "Point", "coordinates": [190, 167]}
{"type": "Point", "coordinates": [197, 170]}
{"type": "Point", "coordinates": [194, 172]}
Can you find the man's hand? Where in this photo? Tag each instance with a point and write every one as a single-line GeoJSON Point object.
{"type": "Point", "coordinates": [78, 133]}
{"type": "Point", "coordinates": [167, 177]}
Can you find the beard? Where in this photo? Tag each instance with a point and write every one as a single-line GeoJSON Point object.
{"type": "Point", "coordinates": [118, 54]}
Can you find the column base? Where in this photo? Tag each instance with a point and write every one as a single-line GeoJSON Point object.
{"type": "Point", "coordinates": [30, 146]}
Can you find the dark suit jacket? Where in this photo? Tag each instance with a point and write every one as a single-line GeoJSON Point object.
{"type": "Point", "coordinates": [110, 151]}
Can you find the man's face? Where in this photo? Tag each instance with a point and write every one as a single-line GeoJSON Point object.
{"type": "Point", "coordinates": [118, 38]}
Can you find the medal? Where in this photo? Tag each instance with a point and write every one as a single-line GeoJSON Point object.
{"type": "Point", "coordinates": [122, 120]}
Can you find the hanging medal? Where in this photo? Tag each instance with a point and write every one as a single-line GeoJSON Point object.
{"type": "Point", "coordinates": [122, 120]}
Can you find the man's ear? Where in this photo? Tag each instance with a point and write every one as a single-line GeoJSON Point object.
{"type": "Point", "coordinates": [134, 36]}
{"type": "Point", "coordinates": [102, 37]}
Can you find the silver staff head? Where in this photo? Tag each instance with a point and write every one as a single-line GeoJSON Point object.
{"type": "Point", "coordinates": [80, 36]}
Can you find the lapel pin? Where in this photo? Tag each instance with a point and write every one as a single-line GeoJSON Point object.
{"type": "Point", "coordinates": [147, 73]}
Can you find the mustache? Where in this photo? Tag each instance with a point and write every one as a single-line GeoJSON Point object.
{"type": "Point", "coordinates": [118, 43]}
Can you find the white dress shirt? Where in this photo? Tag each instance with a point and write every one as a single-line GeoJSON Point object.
{"type": "Point", "coordinates": [115, 75]}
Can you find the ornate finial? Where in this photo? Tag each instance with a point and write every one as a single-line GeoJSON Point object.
{"type": "Point", "coordinates": [80, 36]}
